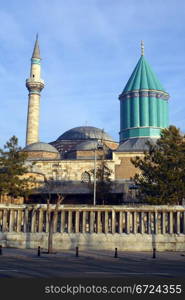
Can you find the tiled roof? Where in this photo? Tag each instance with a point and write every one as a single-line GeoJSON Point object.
{"type": "Point", "coordinates": [143, 78]}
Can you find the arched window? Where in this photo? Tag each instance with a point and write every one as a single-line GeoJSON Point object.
{"type": "Point", "coordinates": [86, 177]}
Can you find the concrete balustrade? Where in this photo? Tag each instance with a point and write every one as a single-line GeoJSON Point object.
{"type": "Point", "coordinates": [101, 219]}
{"type": "Point", "coordinates": [115, 223]}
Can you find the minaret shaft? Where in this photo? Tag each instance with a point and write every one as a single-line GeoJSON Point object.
{"type": "Point", "coordinates": [34, 85]}
{"type": "Point", "coordinates": [32, 132]}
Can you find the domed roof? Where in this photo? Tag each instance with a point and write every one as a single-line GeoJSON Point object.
{"type": "Point", "coordinates": [136, 144]}
{"type": "Point", "coordinates": [88, 145]}
{"type": "Point", "coordinates": [85, 133]}
{"type": "Point", "coordinates": [143, 78]}
{"type": "Point", "coordinates": [40, 146]}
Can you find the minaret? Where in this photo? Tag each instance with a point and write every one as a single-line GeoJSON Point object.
{"type": "Point", "coordinates": [143, 104]}
{"type": "Point", "coordinates": [34, 85]}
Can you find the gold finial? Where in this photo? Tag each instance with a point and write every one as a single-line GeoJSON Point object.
{"type": "Point", "coordinates": [142, 48]}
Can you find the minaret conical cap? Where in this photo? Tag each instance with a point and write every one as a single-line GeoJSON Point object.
{"type": "Point", "coordinates": [36, 50]}
{"type": "Point", "coordinates": [143, 77]}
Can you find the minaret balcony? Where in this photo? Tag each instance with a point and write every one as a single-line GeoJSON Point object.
{"type": "Point", "coordinates": [34, 84]}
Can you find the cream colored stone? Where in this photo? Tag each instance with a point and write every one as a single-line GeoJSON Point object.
{"type": "Point", "coordinates": [90, 239]}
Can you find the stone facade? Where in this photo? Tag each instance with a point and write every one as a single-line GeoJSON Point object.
{"type": "Point", "coordinates": [67, 169]}
{"type": "Point", "coordinates": [124, 169]}
{"type": "Point", "coordinates": [42, 155]}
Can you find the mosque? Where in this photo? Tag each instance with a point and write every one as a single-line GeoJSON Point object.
{"type": "Point", "coordinates": [68, 160]}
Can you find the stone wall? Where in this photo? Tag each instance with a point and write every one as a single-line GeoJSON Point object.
{"type": "Point", "coordinates": [130, 228]}
{"type": "Point", "coordinates": [67, 169]}
{"type": "Point", "coordinates": [42, 155]}
{"type": "Point", "coordinates": [124, 169]}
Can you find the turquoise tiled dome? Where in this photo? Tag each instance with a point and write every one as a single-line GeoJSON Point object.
{"type": "Point", "coordinates": [143, 78]}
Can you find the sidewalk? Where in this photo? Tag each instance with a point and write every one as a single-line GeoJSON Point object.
{"type": "Point", "coordinates": [23, 263]}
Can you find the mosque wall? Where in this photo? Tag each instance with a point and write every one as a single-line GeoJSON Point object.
{"type": "Point", "coordinates": [124, 169]}
{"type": "Point", "coordinates": [67, 169]}
{"type": "Point", "coordinates": [42, 155]}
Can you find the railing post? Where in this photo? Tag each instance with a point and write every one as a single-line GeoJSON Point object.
{"type": "Point", "coordinates": [69, 221]}
{"type": "Point", "coordinates": [156, 222]}
{"type": "Point", "coordinates": [5, 220]}
{"type": "Point", "coordinates": [33, 220]}
{"type": "Point", "coordinates": [19, 220]}
{"type": "Point", "coordinates": [149, 222]}
{"type": "Point", "coordinates": [113, 221]}
{"type": "Point", "coordinates": [106, 222]}
{"type": "Point", "coordinates": [62, 221]}
{"type": "Point", "coordinates": [40, 220]}
{"type": "Point", "coordinates": [134, 222]}
{"type": "Point", "coordinates": [48, 216]}
{"type": "Point", "coordinates": [92, 222]}
{"type": "Point", "coordinates": [171, 222]}
{"type": "Point", "coordinates": [127, 222]}
{"type": "Point", "coordinates": [141, 222]}
{"type": "Point", "coordinates": [25, 220]}
{"type": "Point", "coordinates": [99, 228]}
{"type": "Point", "coordinates": [178, 222]}
{"type": "Point", "coordinates": [84, 222]}
{"type": "Point", "coordinates": [77, 216]}
{"type": "Point", "coordinates": [11, 220]}
{"type": "Point", "coordinates": [120, 222]}
{"type": "Point", "coordinates": [163, 226]}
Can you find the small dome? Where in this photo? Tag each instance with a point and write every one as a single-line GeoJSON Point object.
{"type": "Point", "coordinates": [87, 145]}
{"type": "Point", "coordinates": [85, 133]}
{"type": "Point", "coordinates": [135, 144]}
{"type": "Point", "coordinates": [40, 146]}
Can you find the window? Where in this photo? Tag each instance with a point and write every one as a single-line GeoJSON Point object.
{"type": "Point", "coordinates": [86, 177]}
{"type": "Point", "coordinates": [55, 165]}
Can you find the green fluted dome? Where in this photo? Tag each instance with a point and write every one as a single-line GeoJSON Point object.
{"type": "Point", "coordinates": [143, 104]}
{"type": "Point", "coordinates": [143, 78]}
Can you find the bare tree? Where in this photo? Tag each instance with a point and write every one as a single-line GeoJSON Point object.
{"type": "Point", "coordinates": [52, 217]}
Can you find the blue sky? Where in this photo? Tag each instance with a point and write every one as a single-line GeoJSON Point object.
{"type": "Point", "coordinates": [89, 49]}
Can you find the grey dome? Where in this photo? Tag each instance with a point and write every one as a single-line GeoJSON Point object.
{"type": "Point", "coordinates": [87, 145]}
{"type": "Point", "coordinates": [85, 133]}
{"type": "Point", "coordinates": [135, 144]}
{"type": "Point", "coordinates": [40, 146]}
